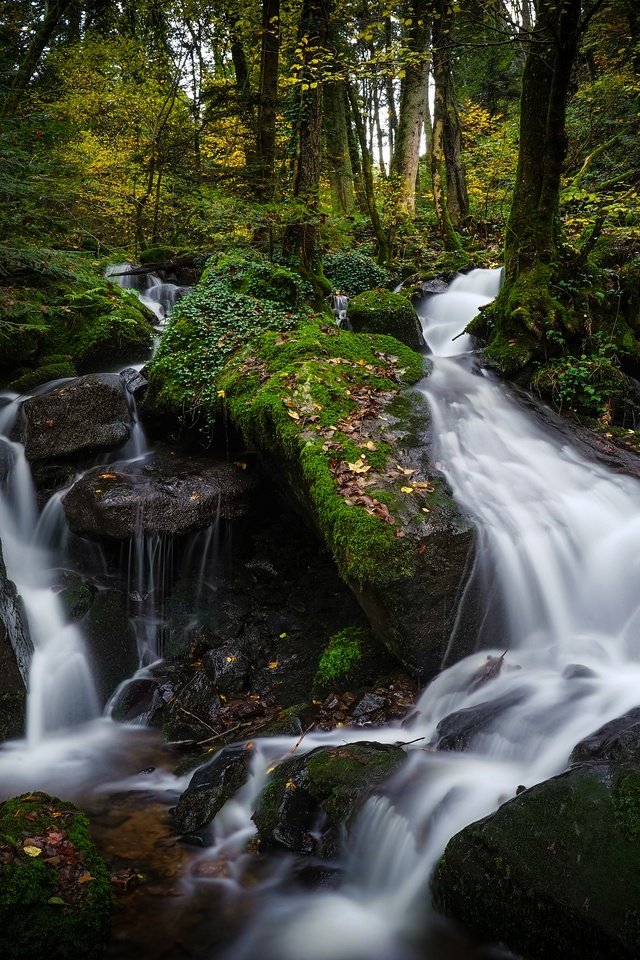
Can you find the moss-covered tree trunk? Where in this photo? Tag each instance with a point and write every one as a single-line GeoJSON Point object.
{"type": "Point", "coordinates": [526, 306]}
{"type": "Point", "coordinates": [301, 238]}
{"type": "Point", "coordinates": [268, 97]}
{"type": "Point", "coordinates": [337, 147]}
{"type": "Point", "coordinates": [413, 104]}
{"type": "Point", "coordinates": [367, 177]}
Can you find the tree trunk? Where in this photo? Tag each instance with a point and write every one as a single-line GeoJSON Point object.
{"type": "Point", "coordinates": [268, 99]}
{"type": "Point", "coordinates": [367, 177]}
{"type": "Point", "coordinates": [43, 36]}
{"type": "Point", "coordinates": [337, 147]}
{"type": "Point", "coordinates": [413, 104]}
{"type": "Point", "coordinates": [301, 238]}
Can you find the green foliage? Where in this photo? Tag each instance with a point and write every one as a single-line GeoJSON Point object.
{"type": "Point", "coordinates": [586, 383]}
{"type": "Point", "coordinates": [353, 273]}
{"type": "Point", "coordinates": [250, 272]}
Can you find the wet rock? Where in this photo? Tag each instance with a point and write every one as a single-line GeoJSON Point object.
{"type": "Point", "coordinates": [172, 496]}
{"type": "Point", "coordinates": [211, 786]}
{"type": "Point", "coordinates": [616, 742]}
{"type": "Point", "coordinates": [86, 414]}
{"type": "Point", "coordinates": [76, 595]}
{"type": "Point", "coordinates": [369, 704]}
{"type": "Point", "coordinates": [228, 668]}
{"type": "Point", "coordinates": [57, 904]}
{"type": "Point", "coordinates": [553, 873]}
{"type": "Point", "coordinates": [320, 792]}
{"type": "Point", "coordinates": [7, 458]}
{"type": "Point", "coordinates": [436, 285]}
{"type": "Point", "coordinates": [15, 656]}
{"type": "Point", "coordinates": [457, 731]}
{"type": "Point", "coordinates": [141, 697]}
{"type": "Point", "coordinates": [134, 380]}
{"type": "Point", "coordinates": [192, 713]}
{"type": "Point", "coordinates": [110, 638]}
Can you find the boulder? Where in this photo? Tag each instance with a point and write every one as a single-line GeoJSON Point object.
{"type": "Point", "coordinates": [171, 496]}
{"type": "Point", "coordinates": [554, 872]}
{"type": "Point", "coordinates": [55, 889]}
{"type": "Point", "coordinates": [134, 380]}
{"type": "Point", "coordinates": [228, 667]}
{"type": "Point", "coordinates": [211, 786]}
{"type": "Point", "coordinates": [458, 730]}
{"type": "Point", "coordinates": [87, 414]}
{"type": "Point", "coordinates": [379, 311]}
{"type": "Point", "coordinates": [192, 714]}
{"type": "Point", "coordinates": [141, 697]}
{"type": "Point", "coordinates": [322, 790]}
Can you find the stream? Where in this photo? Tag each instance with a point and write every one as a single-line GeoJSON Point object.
{"type": "Point", "coordinates": [558, 569]}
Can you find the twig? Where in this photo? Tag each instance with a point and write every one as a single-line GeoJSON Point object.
{"type": "Point", "coordinates": [199, 719]}
{"type": "Point", "coordinates": [201, 743]}
{"type": "Point", "coordinates": [301, 738]}
{"type": "Point", "coordinates": [406, 743]}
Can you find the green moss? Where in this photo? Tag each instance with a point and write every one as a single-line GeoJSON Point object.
{"type": "Point", "coordinates": [353, 273]}
{"type": "Point", "coordinates": [344, 650]}
{"type": "Point", "coordinates": [44, 916]}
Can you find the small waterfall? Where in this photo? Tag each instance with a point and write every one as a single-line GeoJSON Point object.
{"type": "Point", "coordinates": [157, 295]}
{"type": "Point", "coordinates": [61, 689]}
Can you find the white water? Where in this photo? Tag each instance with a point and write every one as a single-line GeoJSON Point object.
{"type": "Point", "coordinates": [558, 541]}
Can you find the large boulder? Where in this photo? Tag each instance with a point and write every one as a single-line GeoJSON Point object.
{"type": "Point", "coordinates": [55, 889]}
{"type": "Point", "coordinates": [15, 656]}
{"type": "Point", "coordinates": [380, 311]}
{"type": "Point", "coordinates": [171, 496]}
{"type": "Point", "coordinates": [89, 413]}
{"type": "Point", "coordinates": [308, 798]}
{"type": "Point", "coordinates": [211, 786]}
{"type": "Point", "coordinates": [555, 872]}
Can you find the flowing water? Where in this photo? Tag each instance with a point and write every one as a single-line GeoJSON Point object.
{"type": "Point", "coordinates": [559, 568]}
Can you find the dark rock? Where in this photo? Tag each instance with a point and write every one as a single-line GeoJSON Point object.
{"type": "Point", "coordinates": [436, 285]}
{"type": "Point", "coordinates": [134, 380]}
{"type": "Point", "coordinates": [7, 458]}
{"type": "Point", "coordinates": [228, 668]}
{"type": "Point", "coordinates": [172, 496]}
{"type": "Point", "coordinates": [15, 656]}
{"type": "Point", "coordinates": [616, 742]}
{"type": "Point", "coordinates": [322, 790]}
{"type": "Point", "coordinates": [456, 732]}
{"type": "Point", "coordinates": [76, 595]}
{"type": "Point", "coordinates": [193, 712]}
{"type": "Point", "coordinates": [138, 698]}
{"type": "Point", "coordinates": [379, 311]}
{"type": "Point", "coordinates": [211, 786]}
{"type": "Point", "coordinates": [47, 909]}
{"type": "Point", "coordinates": [370, 703]}
{"type": "Point", "coordinates": [110, 638]}
{"type": "Point", "coordinates": [87, 414]}
{"type": "Point", "coordinates": [553, 874]}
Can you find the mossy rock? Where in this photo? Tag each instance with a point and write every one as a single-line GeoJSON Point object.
{"type": "Point", "coordinates": [44, 374]}
{"type": "Point", "coordinates": [325, 788]}
{"type": "Point", "coordinates": [555, 872]}
{"type": "Point", "coordinates": [157, 254]}
{"type": "Point", "coordinates": [353, 273]}
{"type": "Point", "coordinates": [55, 889]}
{"type": "Point", "coordinates": [380, 311]}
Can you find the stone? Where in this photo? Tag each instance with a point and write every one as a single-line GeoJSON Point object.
{"type": "Point", "coordinates": [228, 667]}
{"type": "Point", "coordinates": [321, 792]}
{"type": "Point", "coordinates": [109, 636]}
{"type": "Point", "coordinates": [134, 380]}
{"type": "Point", "coordinates": [140, 697]}
{"type": "Point", "coordinates": [370, 703]}
{"type": "Point", "coordinates": [457, 731]}
{"type": "Point", "coordinates": [211, 786]}
{"type": "Point", "coordinates": [15, 655]}
{"type": "Point", "coordinates": [193, 711]}
{"type": "Point", "coordinates": [84, 415]}
{"type": "Point", "coordinates": [171, 496]}
{"type": "Point", "coordinates": [553, 873]}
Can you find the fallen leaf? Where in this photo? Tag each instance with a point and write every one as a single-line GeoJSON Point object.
{"type": "Point", "coordinates": [407, 489]}
{"type": "Point", "coordinates": [32, 851]}
{"type": "Point", "coordinates": [293, 414]}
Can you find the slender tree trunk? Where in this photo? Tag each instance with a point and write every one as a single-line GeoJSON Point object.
{"type": "Point", "coordinates": [391, 92]}
{"type": "Point", "coordinates": [413, 104]}
{"type": "Point", "coordinates": [301, 238]}
{"type": "Point", "coordinates": [367, 177]}
{"type": "Point", "coordinates": [268, 99]}
{"type": "Point", "coordinates": [43, 36]}
{"type": "Point", "coordinates": [379, 135]}
{"type": "Point", "coordinates": [337, 146]}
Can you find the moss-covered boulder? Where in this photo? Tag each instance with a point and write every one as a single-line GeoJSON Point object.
{"type": "Point", "coordinates": [55, 889]}
{"type": "Point", "coordinates": [353, 658]}
{"type": "Point", "coordinates": [57, 304]}
{"type": "Point", "coordinates": [380, 311]}
{"type": "Point", "coordinates": [555, 872]}
{"type": "Point", "coordinates": [352, 273]}
{"type": "Point", "coordinates": [321, 791]}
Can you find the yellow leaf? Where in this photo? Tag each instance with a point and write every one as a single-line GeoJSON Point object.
{"type": "Point", "coordinates": [290, 785]}
{"type": "Point", "coordinates": [407, 489]}
{"type": "Point", "coordinates": [282, 636]}
{"type": "Point", "coordinates": [293, 414]}
{"type": "Point", "coordinates": [273, 665]}
{"type": "Point", "coordinates": [221, 394]}
{"type": "Point", "coordinates": [370, 445]}
{"type": "Point", "coordinates": [32, 851]}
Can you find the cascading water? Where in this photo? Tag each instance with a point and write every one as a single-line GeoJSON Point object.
{"type": "Point", "coordinates": [557, 548]}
